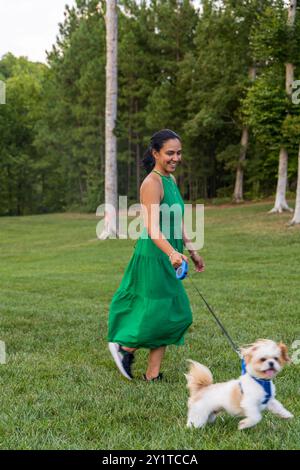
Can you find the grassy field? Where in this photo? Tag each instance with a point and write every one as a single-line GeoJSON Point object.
{"type": "Point", "coordinates": [60, 388]}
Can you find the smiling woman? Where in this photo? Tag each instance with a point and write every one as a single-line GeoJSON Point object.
{"type": "Point", "coordinates": [151, 309]}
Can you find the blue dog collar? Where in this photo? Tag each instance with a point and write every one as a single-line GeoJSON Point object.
{"type": "Point", "coordinates": [265, 384]}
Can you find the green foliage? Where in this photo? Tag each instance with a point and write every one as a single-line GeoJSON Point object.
{"type": "Point", "coordinates": [266, 106]}
{"type": "Point", "coordinates": [267, 109]}
{"type": "Point", "coordinates": [19, 178]}
{"type": "Point", "coordinates": [178, 68]}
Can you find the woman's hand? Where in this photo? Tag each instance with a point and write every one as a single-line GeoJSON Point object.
{"type": "Point", "coordinates": [198, 262]}
{"type": "Point", "coordinates": [176, 259]}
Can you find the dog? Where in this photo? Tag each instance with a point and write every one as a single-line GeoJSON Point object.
{"type": "Point", "coordinates": [247, 396]}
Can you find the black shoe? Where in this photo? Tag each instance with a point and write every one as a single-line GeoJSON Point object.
{"type": "Point", "coordinates": [122, 358]}
{"type": "Point", "coordinates": [155, 379]}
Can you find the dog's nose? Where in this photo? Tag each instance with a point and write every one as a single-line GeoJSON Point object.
{"type": "Point", "coordinates": [271, 363]}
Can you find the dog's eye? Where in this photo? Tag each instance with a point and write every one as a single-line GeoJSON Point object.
{"type": "Point", "coordinates": [262, 359]}
{"type": "Point", "coordinates": [276, 358]}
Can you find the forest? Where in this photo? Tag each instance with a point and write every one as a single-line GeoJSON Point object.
{"type": "Point", "coordinates": [224, 75]}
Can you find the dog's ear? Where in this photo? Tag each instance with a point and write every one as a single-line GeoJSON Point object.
{"type": "Point", "coordinates": [284, 352]}
{"type": "Point", "coordinates": [247, 353]}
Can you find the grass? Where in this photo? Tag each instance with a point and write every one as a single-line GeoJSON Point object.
{"type": "Point", "coordinates": [60, 388]}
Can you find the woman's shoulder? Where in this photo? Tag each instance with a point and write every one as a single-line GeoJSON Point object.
{"type": "Point", "coordinates": [152, 179]}
{"type": "Point", "coordinates": [151, 184]}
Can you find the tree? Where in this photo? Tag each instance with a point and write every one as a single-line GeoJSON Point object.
{"type": "Point", "coordinates": [217, 72]}
{"type": "Point", "coordinates": [268, 105]}
{"type": "Point", "coordinates": [247, 14]}
{"type": "Point", "coordinates": [280, 201]}
{"type": "Point", "coordinates": [71, 132]}
{"type": "Point", "coordinates": [137, 72]}
{"type": "Point", "coordinates": [19, 169]}
{"type": "Point", "coordinates": [296, 218]}
{"type": "Point", "coordinates": [177, 68]}
{"type": "Point", "coordinates": [175, 23]}
{"type": "Point", "coordinates": [111, 181]}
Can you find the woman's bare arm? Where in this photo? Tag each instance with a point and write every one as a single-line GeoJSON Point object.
{"type": "Point", "coordinates": [187, 242]}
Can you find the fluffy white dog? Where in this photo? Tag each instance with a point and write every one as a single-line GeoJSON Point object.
{"type": "Point", "coordinates": [247, 396]}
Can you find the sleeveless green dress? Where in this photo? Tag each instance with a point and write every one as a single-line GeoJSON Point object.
{"type": "Point", "coordinates": [151, 308]}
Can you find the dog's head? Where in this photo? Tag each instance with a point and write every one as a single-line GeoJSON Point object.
{"type": "Point", "coordinates": [265, 358]}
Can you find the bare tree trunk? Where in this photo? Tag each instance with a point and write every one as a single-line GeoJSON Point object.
{"type": "Point", "coordinates": [190, 181]}
{"type": "Point", "coordinates": [289, 78]}
{"type": "Point", "coordinates": [111, 177]}
{"type": "Point", "coordinates": [280, 202]}
{"type": "Point", "coordinates": [129, 159]}
{"type": "Point", "coordinates": [296, 218]}
{"type": "Point", "coordinates": [138, 170]}
{"type": "Point", "coordinates": [292, 13]}
{"type": "Point", "coordinates": [238, 194]}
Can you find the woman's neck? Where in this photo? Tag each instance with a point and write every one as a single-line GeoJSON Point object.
{"type": "Point", "coordinates": [162, 172]}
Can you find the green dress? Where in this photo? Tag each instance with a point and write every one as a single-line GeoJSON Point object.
{"type": "Point", "coordinates": [151, 308]}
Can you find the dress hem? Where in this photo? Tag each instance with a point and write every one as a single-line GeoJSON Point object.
{"type": "Point", "coordinates": [127, 344]}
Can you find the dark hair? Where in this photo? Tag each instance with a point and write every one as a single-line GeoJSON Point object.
{"type": "Point", "coordinates": [157, 142]}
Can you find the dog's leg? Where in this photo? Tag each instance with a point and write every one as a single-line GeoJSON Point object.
{"type": "Point", "coordinates": [252, 413]}
{"type": "Point", "coordinates": [250, 421]}
{"type": "Point", "coordinates": [212, 418]}
{"type": "Point", "coordinates": [278, 409]}
{"type": "Point", "coordinates": [198, 416]}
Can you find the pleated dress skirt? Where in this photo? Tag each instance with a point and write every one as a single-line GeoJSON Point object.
{"type": "Point", "coordinates": [150, 308]}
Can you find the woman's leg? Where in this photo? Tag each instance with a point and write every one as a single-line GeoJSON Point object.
{"type": "Point", "coordinates": [131, 350]}
{"type": "Point", "coordinates": [154, 362]}
{"type": "Point", "coordinates": [123, 357]}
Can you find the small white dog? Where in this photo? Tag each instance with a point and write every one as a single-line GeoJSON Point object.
{"type": "Point", "coordinates": [247, 396]}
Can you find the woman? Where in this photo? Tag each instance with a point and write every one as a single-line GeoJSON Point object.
{"type": "Point", "coordinates": [151, 309]}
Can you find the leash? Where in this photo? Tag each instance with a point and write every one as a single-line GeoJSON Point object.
{"type": "Point", "coordinates": [265, 384]}
{"type": "Point", "coordinates": [231, 342]}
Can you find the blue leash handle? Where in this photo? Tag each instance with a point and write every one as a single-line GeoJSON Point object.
{"type": "Point", "coordinates": [182, 270]}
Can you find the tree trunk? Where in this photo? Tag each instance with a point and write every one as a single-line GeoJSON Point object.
{"type": "Point", "coordinates": [129, 159]}
{"type": "Point", "coordinates": [296, 218]}
{"type": "Point", "coordinates": [292, 13]}
{"type": "Point", "coordinates": [138, 170]}
{"type": "Point", "coordinates": [280, 202]}
{"type": "Point", "coordinates": [238, 194]}
{"type": "Point", "coordinates": [111, 176]}
{"type": "Point", "coordinates": [190, 181]}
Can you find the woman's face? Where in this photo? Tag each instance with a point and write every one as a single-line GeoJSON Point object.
{"type": "Point", "coordinates": [169, 155]}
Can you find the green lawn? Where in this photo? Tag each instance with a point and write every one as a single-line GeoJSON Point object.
{"type": "Point", "coordinates": [60, 388]}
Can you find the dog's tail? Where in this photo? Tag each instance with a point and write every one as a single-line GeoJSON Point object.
{"type": "Point", "coordinates": [199, 376]}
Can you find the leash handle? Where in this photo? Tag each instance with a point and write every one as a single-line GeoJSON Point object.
{"type": "Point", "coordinates": [182, 270]}
{"type": "Point", "coordinates": [233, 345]}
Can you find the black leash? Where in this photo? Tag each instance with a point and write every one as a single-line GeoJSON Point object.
{"type": "Point", "coordinates": [233, 345]}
